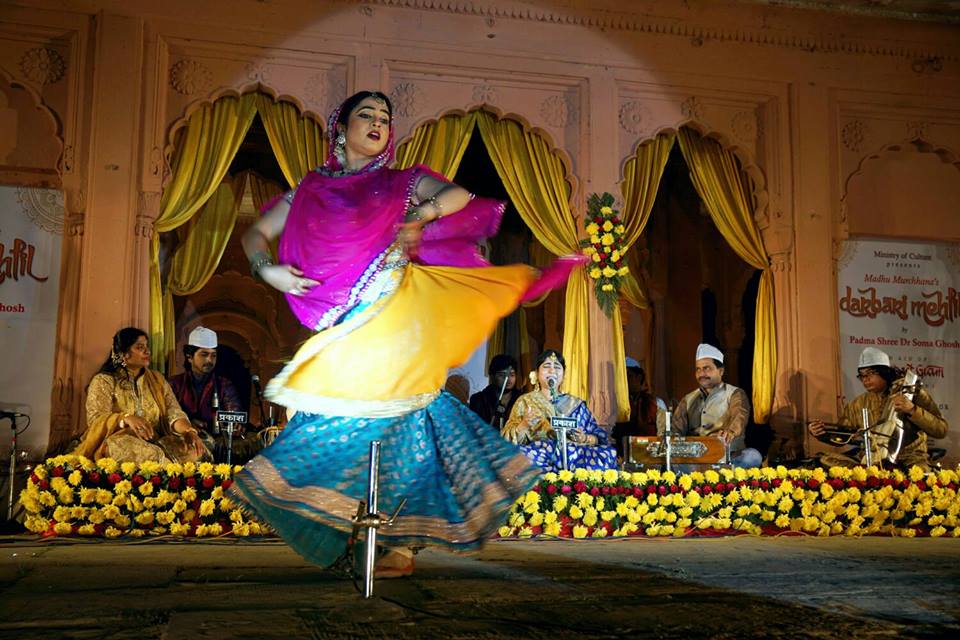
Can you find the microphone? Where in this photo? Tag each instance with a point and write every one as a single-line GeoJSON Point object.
{"type": "Point", "coordinates": [255, 379]}
{"type": "Point", "coordinates": [553, 389]}
{"type": "Point", "coordinates": [216, 411]}
{"type": "Point", "coordinates": [11, 415]}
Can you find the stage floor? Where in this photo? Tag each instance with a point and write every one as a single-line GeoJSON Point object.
{"type": "Point", "coordinates": [741, 587]}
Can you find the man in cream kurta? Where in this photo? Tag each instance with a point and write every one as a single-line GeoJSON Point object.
{"type": "Point", "coordinates": [716, 408]}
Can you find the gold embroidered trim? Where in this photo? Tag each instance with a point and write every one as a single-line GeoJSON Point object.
{"type": "Point", "coordinates": [274, 490]}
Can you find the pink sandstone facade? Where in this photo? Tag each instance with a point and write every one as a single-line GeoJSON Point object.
{"type": "Point", "coordinates": [846, 125]}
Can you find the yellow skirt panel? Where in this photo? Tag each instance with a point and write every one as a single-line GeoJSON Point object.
{"type": "Point", "coordinates": [394, 357]}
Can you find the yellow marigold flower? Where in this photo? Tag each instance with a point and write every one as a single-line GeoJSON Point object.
{"type": "Point", "coordinates": [179, 506]}
{"type": "Point", "coordinates": [607, 516]}
{"type": "Point", "coordinates": [128, 468]}
{"type": "Point", "coordinates": [610, 476]}
{"type": "Point", "coordinates": [606, 239]}
{"type": "Point", "coordinates": [693, 499]}
{"type": "Point", "coordinates": [622, 509]}
{"type": "Point", "coordinates": [550, 517]}
{"type": "Point", "coordinates": [592, 229]}
{"type": "Point", "coordinates": [584, 500]}
{"type": "Point", "coordinates": [223, 470]}
{"type": "Point", "coordinates": [86, 530]}
{"type": "Point", "coordinates": [595, 239]}
{"type": "Point", "coordinates": [609, 272]}
{"type": "Point", "coordinates": [505, 531]}
{"type": "Point", "coordinates": [58, 484]}
{"type": "Point", "coordinates": [615, 255]}
{"type": "Point", "coordinates": [189, 468]}
{"type": "Point", "coordinates": [599, 503]}
{"type": "Point", "coordinates": [936, 532]}
{"type": "Point", "coordinates": [62, 528]}
{"type": "Point", "coordinates": [552, 529]}
{"type": "Point", "coordinates": [189, 494]}
{"type": "Point", "coordinates": [165, 517]}
{"type": "Point", "coordinates": [600, 532]}
{"type": "Point", "coordinates": [75, 477]}
{"type": "Point", "coordinates": [66, 496]}
{"type": "Point", "coordinates": [916, 474]}
{"type": "Point", "coordinates": [146, 488]}
{"type": "Point", "coordinates": [579, 532]}
{"type": "Point", "coordinates": [653, 530]}
{"type": "Point", "coordinates": [61, 514]}
{"type": "Point", "coordinates": [596, 273]}
{"type": "Point", "coordinates": [607, 225]}
{"type": "Point", "coordinates": [122, 488]}
{"type": "Point", "coordinates": [217, 493]}
{"type": "Point", "coordinates": [619, 229]}
{"type": "Point", "coordinates": [104, 496]}
{"type": "Point", "coordinates": [564, 476]}
{"type": "Point", "coordinates": [631, 502]}
{"type": "Point", "coordinates": [785, 505]}
{"type": "Point", "coordinates": [179, 529]}
{"type": "Point", "coordinates": [122, 521]}
{"type": "Point", "coordinates": [907, 532]}
{"type": "Point", "coordinates": [590, 517]}
{"type": "Point", "coordinates": [581, 474]}
{"type": "Point", "coordinates": [576, 512]}
{"type": "Point", "coordinates": [108, 465]}
{"type": "Point", "coordinates": [711, 476]}
{"type": "Point", "coordinates": [205, 469]}
{"type": "Point", "coordinates": [595, 256]}
{"type": "Point", "coordinates": [145, 518]}
{"type": "Point", "coordinates": [536, 520]}
{"type": "Point", "coordinates": [111, 532]}
{"type": "Point", "coordinates": [201, 531]}
{"type": "Point", "coordinates": [652, 499]}
{"type": "Point", "coordinates": [560, 503]}
{"type": "Point", "coordinates": [606, 211]}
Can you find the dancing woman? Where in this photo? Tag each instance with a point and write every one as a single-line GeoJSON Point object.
{"type": "Point", "coordinates": [383, 264]}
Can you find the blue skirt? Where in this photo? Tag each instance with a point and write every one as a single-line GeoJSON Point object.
{"type": "Point", "coordinates": [459, 478]}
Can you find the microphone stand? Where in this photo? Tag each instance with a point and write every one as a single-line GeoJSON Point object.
{"type": "Point", "coordinates": [13, 463]}
{"type": "Point", "coordinates": [255, 379]}
{"type": "Point", "coordinates": [560, 431]}
{"type": "Point", "coordinates": [498, 411]}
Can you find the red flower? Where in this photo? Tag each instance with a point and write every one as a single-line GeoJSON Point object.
{"type": "Point", "coordinates": [731, 486]}
{"type": "Point", "coordinates": [764, 485]}
{"type": "Point", "coordinates": [662, 490]}
{"type": "Point", "coordinates": [58, 472]}
{"type": "Point", "coordinates": [777, 482]}
{"type": "Point", "coordinates": [651, 488]}
{"type": "Point", "coordinates": [137, 480]}
{"type": "Point", "coordinates": [698, 489]}
{"type": "Point", "coordinates": [813, 483]}
{"type": "Point", "coordinates": [615, 219]}
{"type": "Point", "coordinates": [922, 485]}
{"type": "Point", "coordinates": [208, 483]}
{"type": "Point", "coordinates": [597, 219]}
{"type": "Point", "coordinates": [720, 487]}
{"type": "Point", "coordinates": [34, 479]}
{"type": "Point", "coordinates": [637, 492]}
{"type": "Point", "coordinates": [191, 481]}
{"type": "Point", "coordinates": [226, 484]}
{"type": "Point", "coordinates": [565, 489]}
{"type": "Point", "coordinates": [94, 477]}
{"type": "Point", "coordinates": [536, 489]}
{"type": "Point", "coordinates": [754, 483]}
{"type": "Point", "coordinates": [536, 530]}
{"type": "Point", "coordinates": [156, 480]}
{"type": "Point", "coordinates": [674, 488]}
{"type": "Point", "coordinates": [551, 488]}
{"type": "Point", "coordinates": [707, 488]}
{"type": "Point", "coordinates": [114, 478]}
{"type": "Point", "coordinates": [603, 256]}
{"type": "Point", "coordinates": [594, 492]}
{"type": "Point", "coordinates": [44, 484]}
{"type": "Point", "coordinates": [605, 491]}
{"type": "Point", "coordinates": [173, 484]}
{"type": "Point", "coordinates": [580, 486]}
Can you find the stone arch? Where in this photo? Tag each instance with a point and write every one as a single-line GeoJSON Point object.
{"type": "Point", "coordinates": [257, 87]}
{"type": "Point", "coordinates": [748, 163]}
{"type": "Point", "coordinates": [48, 114]}
{"type": "Point", "coordinates": [917, 145]}
{"type": "Point", "coordinates": [524, 123]}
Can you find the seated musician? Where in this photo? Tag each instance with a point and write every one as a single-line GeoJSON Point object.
{"type": "Point", "coordinates": [132, 415]}
{"type": "Point", "coordinates": [882, 397]}
{"type": "Point", "coordinates": [588, 446]}
{"type": "Point", "coordinates": [643, 409]}
{"type": "Point", "coordinates": [196, 387]}
{"type": "Point", "coordinates": [488, 403]}
{"type": "Point", "coordinates": [716, 408]}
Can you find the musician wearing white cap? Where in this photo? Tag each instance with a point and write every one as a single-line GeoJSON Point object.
{"type": "Point", "coordinates": [716, 408]}
{"type": "Point", "coordinates": [884, 395]}
{"type": "Point", "coordinates": [197, 386]}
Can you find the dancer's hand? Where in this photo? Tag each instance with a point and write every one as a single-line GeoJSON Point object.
{"type": "Point", "coordinates": [411, 233]}
{"type": "Point", "coordinates": [816, 427]}
{"type": "Point", "coordinates": [287, 278]}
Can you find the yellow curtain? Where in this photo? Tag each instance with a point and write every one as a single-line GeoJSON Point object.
{"type": "Point", "coordinates": [297, 141]}
{"type": "Point", "coordinates": [536, 181]}
{"type": "Point", "coordinates": [440, 144]}
{"type": "Point", "coordinates": [723, 188]}
{"type": "Point", "coordinates": [197, 257]}
{"type": "Point", "coordinates": [263, 191]}
{"type": "Point", "coordinates": [641, 178]}
{"type": "Point", "coordinates": [204, 150]}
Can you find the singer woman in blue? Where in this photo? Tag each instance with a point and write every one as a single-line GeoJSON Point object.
{"type": "Point", "coordinates": [588, 446]}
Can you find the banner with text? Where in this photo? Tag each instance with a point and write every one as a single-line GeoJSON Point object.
{"type": "Point", "coordinates": [904, 298]}
{"type": "Point", "coordinates": [31, 227]}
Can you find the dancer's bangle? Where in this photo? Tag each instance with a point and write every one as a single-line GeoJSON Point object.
{"type": "Point", "coordinates": [258, 261]}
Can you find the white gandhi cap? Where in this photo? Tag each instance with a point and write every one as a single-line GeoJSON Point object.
{"type": "Point", "coordinates": [709, 351]}
{"type": "Point", "coordinates": [203, 338]}
{"type": "Point", "coordinates": [873, 357]}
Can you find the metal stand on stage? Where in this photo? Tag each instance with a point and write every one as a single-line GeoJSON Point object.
{"type": "Point", "coordinates": [10, 524]}
{"type": "Point", "coordinates": [370, 519]}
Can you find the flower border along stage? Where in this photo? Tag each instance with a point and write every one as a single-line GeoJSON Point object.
{"type": "Point", "coordinates": [766, 501]}
{"type": "Point", "coordinates": [72, 495]}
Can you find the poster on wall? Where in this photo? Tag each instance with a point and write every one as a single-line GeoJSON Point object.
{"type": "Point", "coordinates": [31, 229]}
{"type": "Point", "coordinates": [904, 297]}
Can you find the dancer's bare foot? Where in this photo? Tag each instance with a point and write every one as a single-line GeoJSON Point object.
{"type": "Point", "coordinates": [394, 564]}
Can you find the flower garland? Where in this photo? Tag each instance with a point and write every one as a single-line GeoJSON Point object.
{"type": "Point", "coordinates": [605, 248]}
{"type": "Point", "coordinates": [765, 501]}
{"type": "Point", "coordinates": [72, 495]}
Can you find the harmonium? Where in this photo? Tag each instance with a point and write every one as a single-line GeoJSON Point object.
{"type": "Point", "coordinates": [651, 451]}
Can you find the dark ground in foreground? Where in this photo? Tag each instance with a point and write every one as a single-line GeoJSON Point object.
{"type": "Point", "coordinates": [672, 588]}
